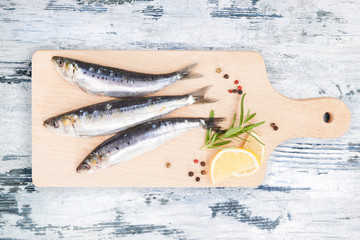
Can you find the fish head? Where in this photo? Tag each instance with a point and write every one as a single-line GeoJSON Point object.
{"type": "Point", "coordinates": [91, 164]}
{"type": "Point", "coordinates": [64, 125]}
{"type": "Point", "coordinates": [65, 67]}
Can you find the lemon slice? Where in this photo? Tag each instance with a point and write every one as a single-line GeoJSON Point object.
{"type": "Point", "coordinates": [234, 162]}
{"type": "Point", "coordinates": [256, 147]}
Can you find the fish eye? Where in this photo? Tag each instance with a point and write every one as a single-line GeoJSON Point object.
{"type": "Point", "coordinates": [60, 62]}
{"type": "Point", "coordinates": [84, 166]}
{"type": "Point", "coordinates": [54, 124]}
{"type": "Point", "coordinates": [51, 122]}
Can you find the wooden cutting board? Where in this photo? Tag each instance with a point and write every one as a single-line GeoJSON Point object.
{"type": "Point", "coordinates": [55, 157]}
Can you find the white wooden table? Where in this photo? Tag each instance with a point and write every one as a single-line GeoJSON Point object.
{"type": "Point", "coordinates": [312, 187]}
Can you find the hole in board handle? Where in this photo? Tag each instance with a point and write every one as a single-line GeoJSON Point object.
{"type": "Point", "coordinates": [328, 117]}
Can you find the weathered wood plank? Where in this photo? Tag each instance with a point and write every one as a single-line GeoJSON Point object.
{"type": "Point", "coordinates": [312, 188]}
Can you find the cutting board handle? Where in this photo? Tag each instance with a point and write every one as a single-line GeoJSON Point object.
{"type": "Point", "coordinates": [307, 118]}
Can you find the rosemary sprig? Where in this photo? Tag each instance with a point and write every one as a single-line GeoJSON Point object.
{"type": "Point", "coordinates": [218, 138]}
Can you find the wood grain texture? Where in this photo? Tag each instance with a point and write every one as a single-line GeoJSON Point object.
{"type": "Point", "coordinates": [52, 95]}
{"type": "Point", "coordinates": [311, 190]}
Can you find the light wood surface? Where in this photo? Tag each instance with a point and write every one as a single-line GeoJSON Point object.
{"type": "Point", "coordinates": [55, 157]}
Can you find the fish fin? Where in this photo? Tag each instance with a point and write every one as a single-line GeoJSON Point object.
{"type": "Point", "coordinates": [186, 73]}
{"type": "Point", "coordinates": [213, 122]}
{"type": "Point", "coordinates": [200, 96]}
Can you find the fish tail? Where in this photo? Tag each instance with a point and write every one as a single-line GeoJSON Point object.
{"type": "Point", "coordinates": [212, 123]}
{"type": "Point", "coordinates": [200, 96]}
{"type": "Point", "coordinates": [186, 73]}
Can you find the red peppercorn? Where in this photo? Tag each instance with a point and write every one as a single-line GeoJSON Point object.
{"type": "Point", "coordinates": [239, 87]}
{"type": "Point", "coordinates": [230, 91]}
{"type": "Point", "coordinates": [196, 161]}
{"type": "Point", "coordinates": [236, 81]}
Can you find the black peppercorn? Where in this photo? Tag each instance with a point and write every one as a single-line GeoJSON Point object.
{"type": "Point", "coordinates": [197, 179]}
{"type": "Point", "coordinates": [234, 91]}
{"type": "Point", "coordinates": [191, 174]}
{"type": "Point", "coordinates": [276, 128]}
{"type": "Point", "coordinates": [272, 125]}
{"type": "Point", "coordinates": [240, 92]}
{"type": "Point", "coordinates": [203, 164]}
{"type": "Point", "coordinates": [226, 76]}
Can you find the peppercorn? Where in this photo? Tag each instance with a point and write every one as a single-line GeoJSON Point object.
{"type": "Point", "coordinates": [226, 76]}
{"type": "Point", "coordinates": [276, 128]}
{"type": "Point", "coordinates": [240, 92]}
{"type": "Point", "coordinates": [234, 90]}
{"type": "Point", "coordinates": [197, 179]}
{"type": "Point", "coordinates": [196, 161]}
{"type": "Point", "coordinates": [218, 70]}
{"type": "Point", "coordinates": [236, 81]}
{"type": "Point", "coordinates": [230, 91]}
{"type": "Point", "coordinates": [168, 165]}
{"type": "Point", "coordinates": [203, 172]}
{"type": "Point", "coordinates": [239, 87]}
{"type": "Point", "coordinates": [272, 125]}
{"type": "Point", "coordinates": [191, 174]}
{"type": "Point", "coordinates": [203, 164]}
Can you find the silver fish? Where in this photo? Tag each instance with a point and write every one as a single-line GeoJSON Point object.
{"type": "Point", "coordinates": [116, 115]}
{"type": "Point", "coordinates": [138, 140]}
{"type": "Point", "coordinates": [114, 82]}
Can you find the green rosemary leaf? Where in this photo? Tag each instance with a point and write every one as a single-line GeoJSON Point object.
{"type": "Point", "coordinates": [240, 138]}
{"type": "Point", "coordinates": [247, 115]}
{"type": "Point", "coordinates": [236, 140]}
{"type": "Point", "coordinates": [231, 131]}
{"type": "Point", "coordinates": [221, 143]}
{"type": "Point", "coordinates": [255, 138]}
{"type": "Point", "coordinates": [208, 132]}
{"type": "Point", "coordinates": [251, 126]}
{"type": "Point", "coordinates": [222, 147]}
{"type": "Point", "coordinates": [212, 114]}
{"type": "Point", "coordinates": [252, 131]}
{"type": "Point", "coordinates": [248, 118]}
{"type": "Point", "coordinates": [233, 122]}
{"type": "Point", "coordinates": [236, 134]}
{"type": "Point", "coordinates": [215, 139]}
{"type": "Point", "coordinates": [242, 110]}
